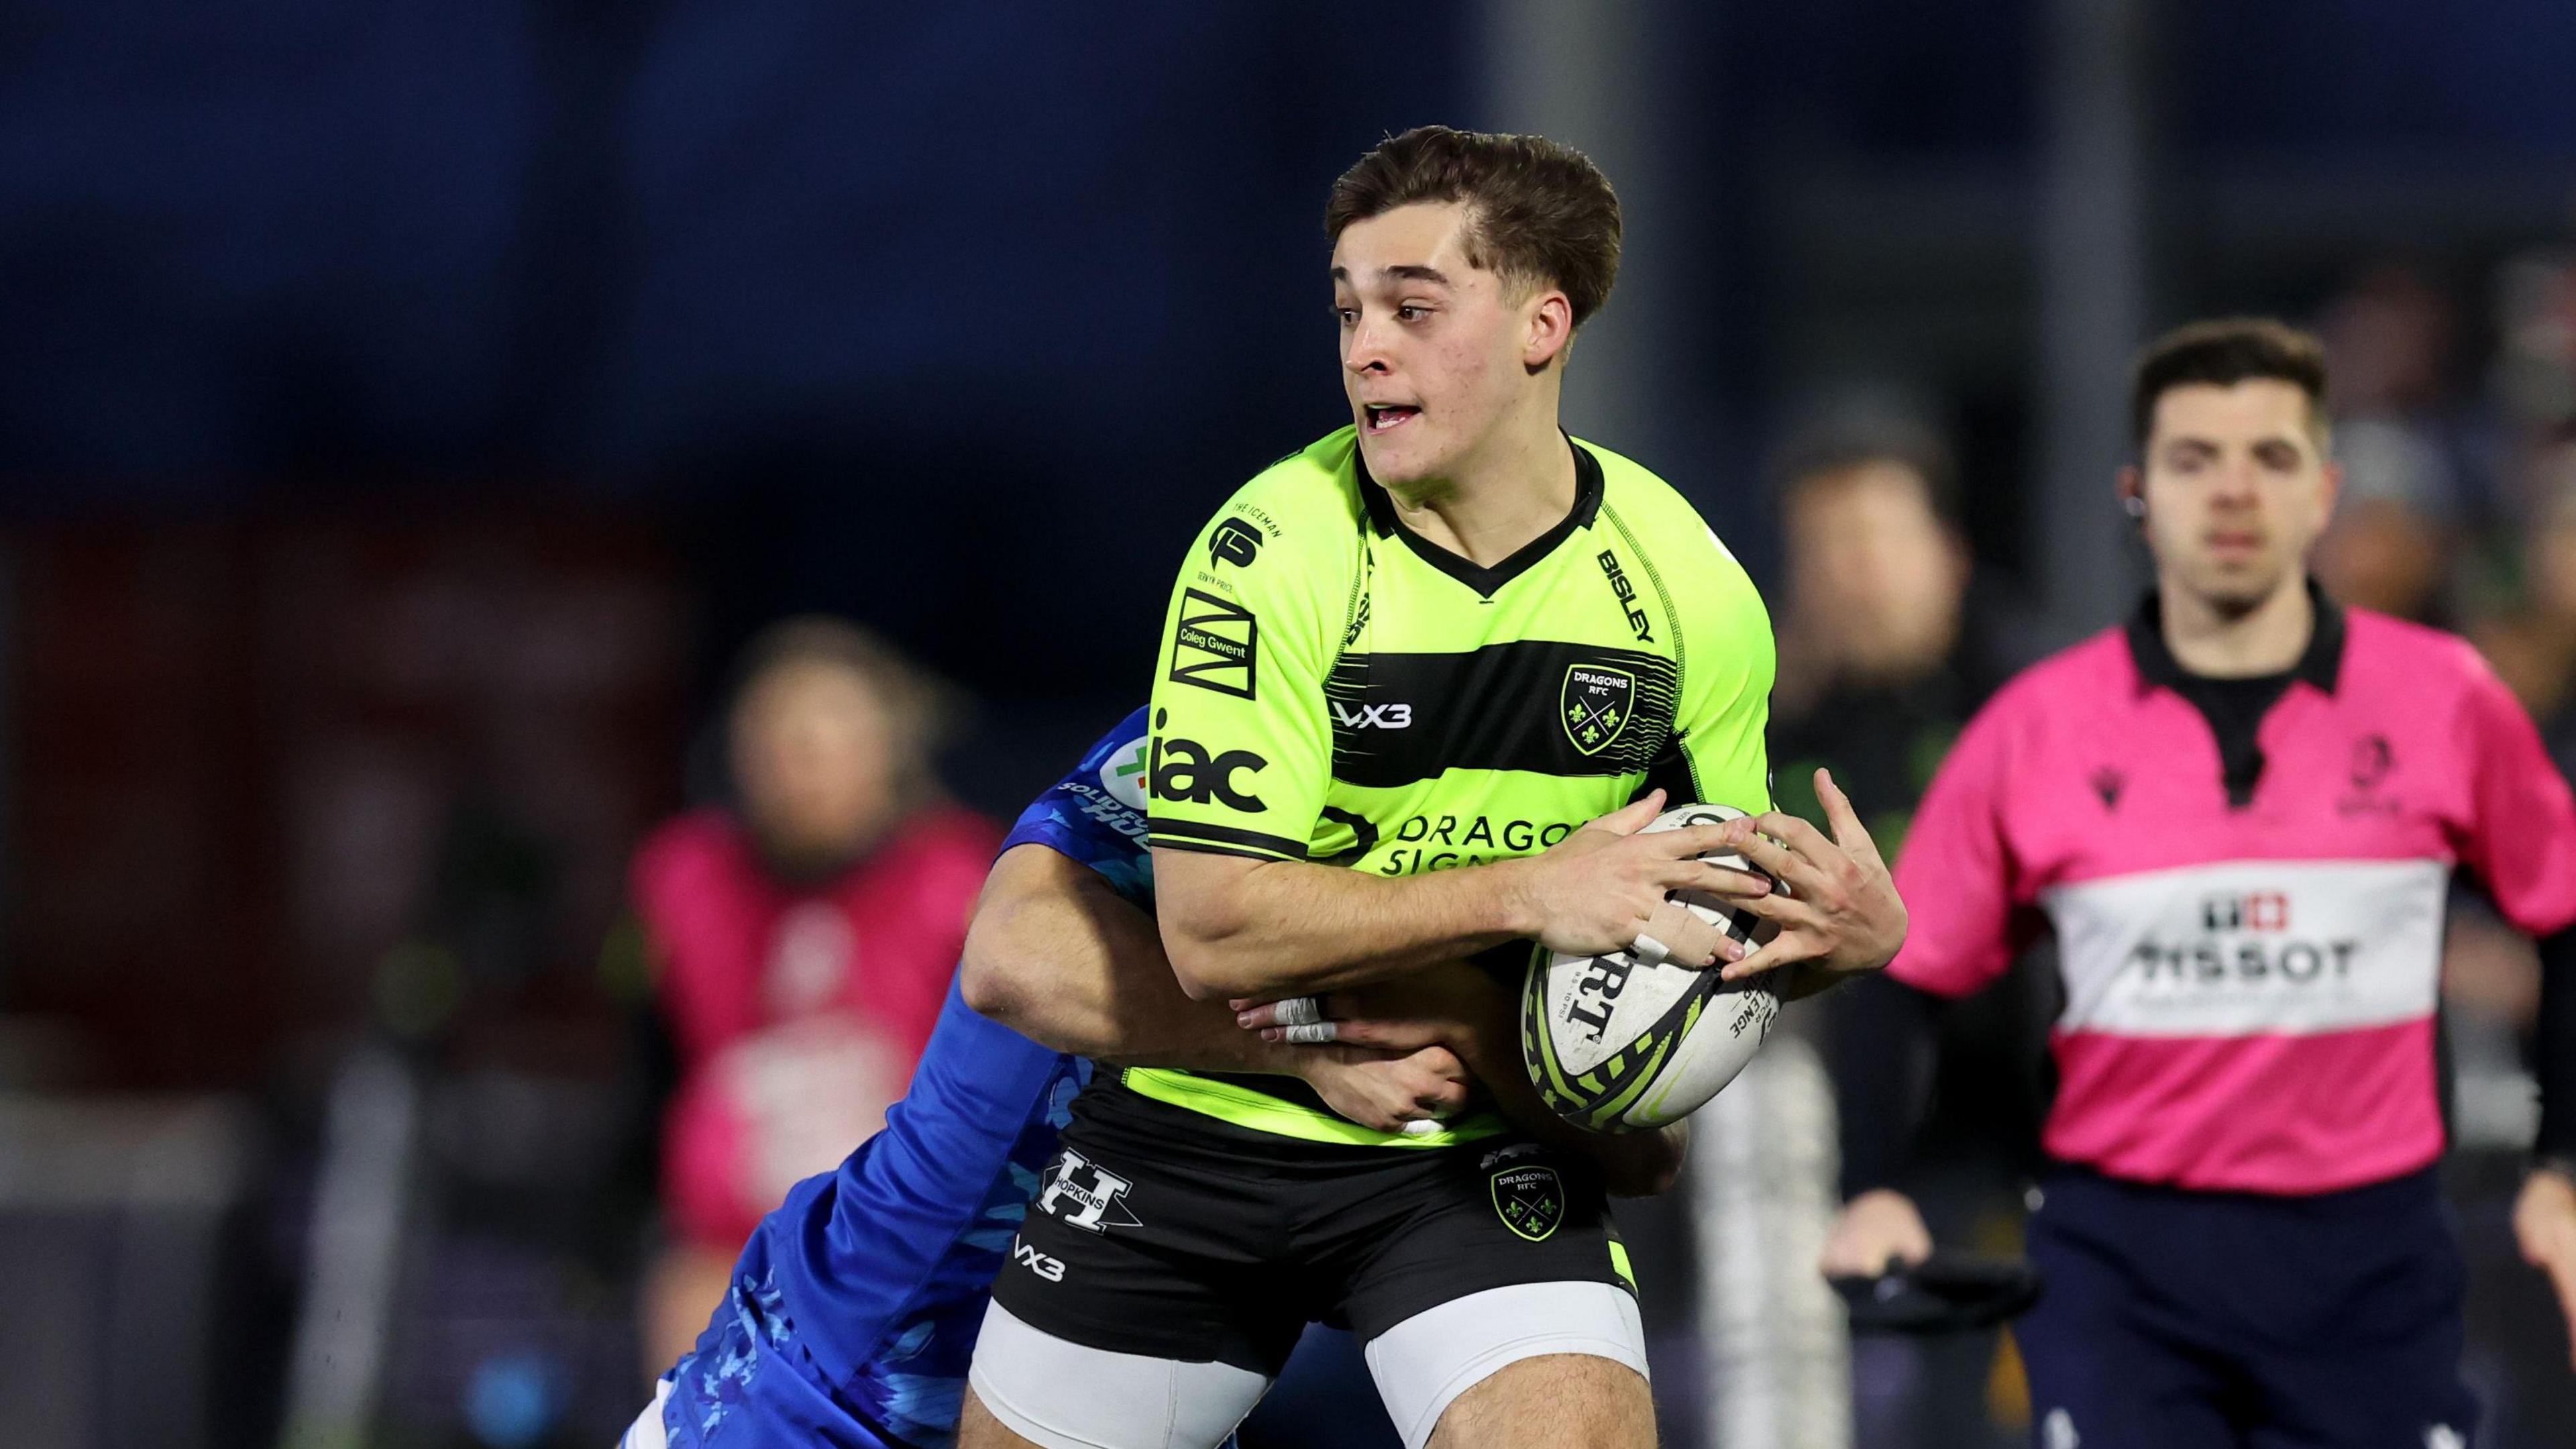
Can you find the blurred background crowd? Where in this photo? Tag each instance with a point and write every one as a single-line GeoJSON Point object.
{"type": "Point", "coordinates": [539, 538]}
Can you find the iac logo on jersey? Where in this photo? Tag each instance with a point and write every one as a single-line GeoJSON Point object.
{"type": "Point", "coordinates": [1595, 705]}
{"type": "Point", "coordinates": [1185, 770]}
{"type": "Point", "coordinates": [1086, 1195]}
{"type": "Point", "coordinates": [1530, 1199]}
{"type": "Point", "coordinates": [1215, 644]}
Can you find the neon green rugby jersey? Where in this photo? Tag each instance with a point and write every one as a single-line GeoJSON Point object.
{"type": "Point", "coordinates": [1333, 688]}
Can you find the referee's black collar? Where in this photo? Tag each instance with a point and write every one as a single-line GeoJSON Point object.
{"type": "Point", "coordinates": [1488, 581]}
{"type": "Point", "coordinates": [2321, 664]}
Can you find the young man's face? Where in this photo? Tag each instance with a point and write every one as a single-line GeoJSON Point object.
{"type": "Point", "coordinates": [1434, 351]}
{"type": "Point", "coordinates": [2237, 487]}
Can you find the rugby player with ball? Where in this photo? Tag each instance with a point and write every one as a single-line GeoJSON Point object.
{"type": "Point", "coordinates": [1422, 684]}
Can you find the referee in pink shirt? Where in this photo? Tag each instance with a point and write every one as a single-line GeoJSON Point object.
{"type": "Point", "coordinates": [2240, 814]}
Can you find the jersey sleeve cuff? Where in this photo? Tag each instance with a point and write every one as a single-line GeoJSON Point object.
{"type": "Point", "coordinates": [1222, 840]}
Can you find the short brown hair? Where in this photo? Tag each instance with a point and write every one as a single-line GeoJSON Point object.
{"type": "Point", "coordinates": [2222, 353]}
{"type": "Point", "coordinates": [1538, 211]}
{"type": "Point", "coordinates": [919, 706]}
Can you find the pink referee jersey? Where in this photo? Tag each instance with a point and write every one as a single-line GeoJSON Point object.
{"type": "Point", "coordinates": [2250, 985]}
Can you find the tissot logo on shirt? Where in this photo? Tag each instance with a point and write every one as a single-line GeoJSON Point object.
{"type": "Point", "coordinates": [1215, 645]}
{"type": "Point", "coordinates": [1187, 771]}
{"type": "Point", "coordinates": [2243, 948]}
{"type": "Point", "coordinates": [1235, 542]}
{"type": "Point", "coordinates": [1595, 705]}
{"type": "Point", "coordinates": [2255, 911]}
{"type": "Point", "coordinates": [1086, 1195]}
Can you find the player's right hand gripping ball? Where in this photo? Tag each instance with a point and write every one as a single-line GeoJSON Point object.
{"type": "Point", "coordinates": [1616, 1045]}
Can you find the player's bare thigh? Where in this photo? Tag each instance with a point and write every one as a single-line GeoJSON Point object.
{"type": "Point", "coordinates": [1556, 1401]}
{"type": "Point", "coordinates": [978, 1429]}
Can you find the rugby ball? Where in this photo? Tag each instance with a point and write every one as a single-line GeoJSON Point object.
{"type": "Point", "coordinates": [1616, 1045]}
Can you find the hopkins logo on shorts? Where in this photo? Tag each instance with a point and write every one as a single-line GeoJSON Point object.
{"type": "Point", "coordinates": [1087, 1195]}
{"type": "Point", "coordinates": [1235, 542]}
{"type": "Point", "coordinates": [1596, 703]}
{"type": "Point", "coordinates": [1214, 645]}
{"type": "Point", "coordinates": [1531, 1200]}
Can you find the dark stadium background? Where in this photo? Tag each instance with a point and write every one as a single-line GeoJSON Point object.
{"type": "Point", "coordinates": [406, 408]}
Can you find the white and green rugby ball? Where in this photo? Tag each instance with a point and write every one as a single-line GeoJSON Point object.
{"type": "Point", "coordinates": [1616, 1045]}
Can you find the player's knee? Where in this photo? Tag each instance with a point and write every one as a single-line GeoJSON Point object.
{"type": "Point", "coordinates": [1555, 1401]}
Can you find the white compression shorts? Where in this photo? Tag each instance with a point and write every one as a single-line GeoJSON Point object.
{"type": "Point", "coordinates": [1062, 1395]}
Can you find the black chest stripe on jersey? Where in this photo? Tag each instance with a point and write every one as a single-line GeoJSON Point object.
{"type": "Point", "coordinates": [1501, 707]}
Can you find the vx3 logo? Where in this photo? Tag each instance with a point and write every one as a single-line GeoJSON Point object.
{"type": "Point", "coordinates": [1051, 1269]}
{"type": "Point", "coordinates": [1373, 716]}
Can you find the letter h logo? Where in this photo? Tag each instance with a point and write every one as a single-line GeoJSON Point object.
{"type": "Point", "coordinates": [1091, 1192]}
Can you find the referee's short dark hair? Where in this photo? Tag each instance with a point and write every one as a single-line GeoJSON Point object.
{"type": "Point", "coordinates": [1539, 211]}
{"type": "Point", "coordinates": [2223, 352]}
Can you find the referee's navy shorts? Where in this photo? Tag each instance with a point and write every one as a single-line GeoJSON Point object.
{"type": "Point", "coordinates": [2183, 1319]}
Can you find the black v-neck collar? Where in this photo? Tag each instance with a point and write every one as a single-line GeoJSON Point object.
{"type": "Point", "coordinates": [2320, 664]}
{"type": "Point", "coordinates": [1488, 581]}
{"type": "Point", "coordinates": [2234, 708]}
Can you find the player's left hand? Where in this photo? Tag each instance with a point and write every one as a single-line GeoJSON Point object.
{"type": "Point", "coordinates": [1840, 912]}
{"type": "Point", "coordinates": [2544, 1224]}
{"type": "Point", "coordinates": [1389, 1091]}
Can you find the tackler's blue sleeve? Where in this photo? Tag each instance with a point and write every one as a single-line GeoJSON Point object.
{"type": "Point", "coordinates": [1096, 814]}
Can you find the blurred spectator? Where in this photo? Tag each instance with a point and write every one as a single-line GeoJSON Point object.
{"type": "Point", "coordinates": [2533, 645]}
{"type": "Point", "coordinates": [1883, 656]}
{"type": "Point", "coordinates": [803, 940]}
{"type": "Point", "coordinates": [2391, 542]}
{"type": "Point", "coordinates": [2390, 337]}
{"type": "Point", "coordinates": [1875, 671]}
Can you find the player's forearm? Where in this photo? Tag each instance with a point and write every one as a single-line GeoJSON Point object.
{"type": "Point", "coordinates": [1056, 955]}
{"type": "Point", "coordinates": [1236, 927]}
